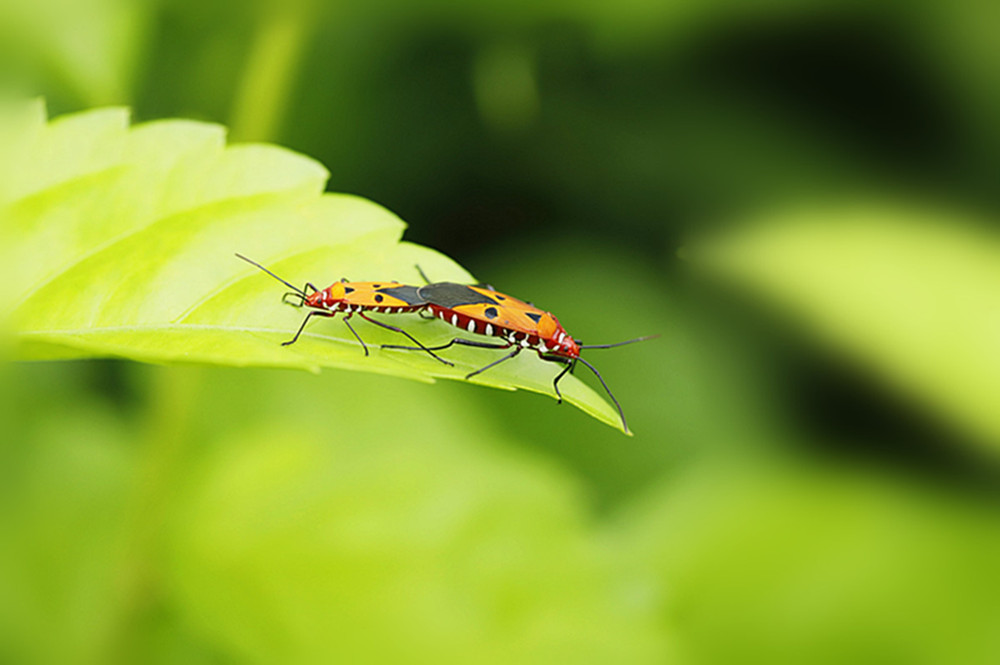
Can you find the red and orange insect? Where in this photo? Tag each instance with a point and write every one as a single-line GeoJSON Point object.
{"type": "Point", "coordinates": [484, 311]}
{"type": "Point", "coordinates": [476, 309]}
{"type": "Point", "coordinates": [352, 298]}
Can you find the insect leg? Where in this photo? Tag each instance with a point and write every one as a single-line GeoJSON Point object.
{"type": "Point", "coordinates": [400, 330]}
{"type": "Point", "coordinates": [517, 350]}
{"type": "Point", "coordinates": [457, 340]}
{"type": "Point", "coordinates": [356, 335]}
{"type": "Point", "coordinates": [301, 301]}
{"type": "Point", "coordinates": [315, 312]}
{"type": "Point", "coordinates": [570, 364]}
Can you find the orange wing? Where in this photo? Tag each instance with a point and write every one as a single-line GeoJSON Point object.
{"type": "Point", "coordinates": [375, 294]}
{"type": "Point", "coordinates": [510, 313]}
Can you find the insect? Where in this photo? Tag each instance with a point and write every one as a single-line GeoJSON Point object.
{"type": "Point", "coordinates": [354, 298]}
{"type": "Point", "coordinates": [484, 311]}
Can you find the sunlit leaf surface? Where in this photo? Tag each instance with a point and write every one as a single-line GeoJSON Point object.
{"type": "Point", "coordinates": [120, 241]}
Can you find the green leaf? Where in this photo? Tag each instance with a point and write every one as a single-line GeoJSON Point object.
{"type": "Point", "coordinates": [817, 564]}
{"type": "Point", "coordinates": [120, 241]}
{"type": "Point", "coordinates": [292, 544]}
{"type": "Point", "coordinates": [913, 295]}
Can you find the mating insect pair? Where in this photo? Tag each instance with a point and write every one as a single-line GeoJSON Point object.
{"type": "Point", "coordinates": [476, 309]}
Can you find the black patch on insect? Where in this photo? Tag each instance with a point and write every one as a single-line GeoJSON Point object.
{"type": "Point", "coordinates": [348, 289]}
{"type": "Point", "coordinates": [533, 316]}
{"type": "Point", "coordinates": [500, 297]}
{"type": "Point", "coordinates": [377, 286]}
{"type": "Point", "coordinates": [449, 295]}
{"type": "Point", "coordinates": [379, 297]}
{"type": "Point", "coordinates": [407, 294]}
{"type": "Point", "coordinates": [490, 312]}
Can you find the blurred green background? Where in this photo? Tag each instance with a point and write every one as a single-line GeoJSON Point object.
{"type": "Point", "coordinates": [781, 500]}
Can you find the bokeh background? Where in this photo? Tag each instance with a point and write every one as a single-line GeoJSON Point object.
{"type": "Point", "coordinates": [780, 501]}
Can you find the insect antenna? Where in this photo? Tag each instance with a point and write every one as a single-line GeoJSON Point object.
{"type": "Point", "coordinates": [608, 390]}
{"type": "Point", "coordinates": [608, 346]}
{"type": "Point", "coordinates": [297, 290]}
{"type": "Point", "coordinates": [422, 274]}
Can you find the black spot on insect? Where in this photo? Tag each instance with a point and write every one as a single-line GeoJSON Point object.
{"type": "Point", "coordinates": [498, 296]}
{"type": "Point", "coordinates": [490, 312]}
{"type": "Point", "coordinates": [348, 289]}
{"type": "Point", "coordinates": [534, 317]}
{"type": "Point", "coordinates": [378, 297]}
{"type": "Point", "coordinates": [378, 286]}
